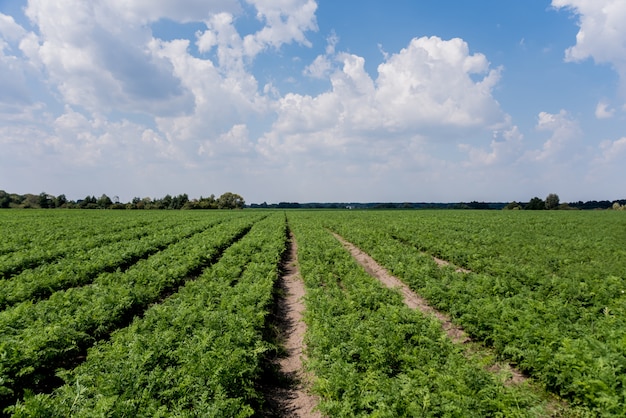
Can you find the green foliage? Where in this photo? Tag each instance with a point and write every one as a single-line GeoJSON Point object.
{"type": "Point", "coordinates": [198, 353]}
{"type": "Point", "coordinates": [535, 203]}
{"type": "Point", "coordinates": [39, 337]}
{"type": "Point", "coordinates": [230, 201]}
{"type": "Point", "coordinates": [547, 290]}
{"type": "Point", "coordinates": [552, 201]}
{"type": "Point", "coordinates": [375, 357]}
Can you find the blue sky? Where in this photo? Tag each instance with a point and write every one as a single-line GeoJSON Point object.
{"type": "Point", "coordinates": [304, 100]}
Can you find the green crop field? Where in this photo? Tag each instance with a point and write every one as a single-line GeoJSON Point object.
{"type": "Point", "coordinates": [170, 313]}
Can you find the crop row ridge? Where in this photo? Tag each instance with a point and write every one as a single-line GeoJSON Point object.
{"type": "Point", "coordinates": [440, 261]}
{"type": "Point", "coordinates": [285, 384]}
{"type": "Point", "coordinates": [456, 333]}
{"type": "Point", "coordinates": [45, 380]}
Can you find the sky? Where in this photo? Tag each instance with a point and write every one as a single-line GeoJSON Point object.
{"type": "Point", "coordinates": [314, 100]}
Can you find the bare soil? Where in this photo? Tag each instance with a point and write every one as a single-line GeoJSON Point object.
{"type": "Point", "coordinates": [443, 263]}
{"type": "Point", "coordinates": [291, 398]}
{"type": "Point", "coordinates": [414, 301]}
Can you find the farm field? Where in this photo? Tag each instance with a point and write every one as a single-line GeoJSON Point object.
{"type": "Point", "coordinates": [171, 313]}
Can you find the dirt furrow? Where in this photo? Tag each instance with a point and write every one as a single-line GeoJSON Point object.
{"type": "Point", "coordinates": [291, 397]}
{"type": "Point", "coordinates": [414, 301]}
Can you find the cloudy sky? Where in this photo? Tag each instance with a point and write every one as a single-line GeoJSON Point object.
{"type": "Point", "coordinates": [314, 100]}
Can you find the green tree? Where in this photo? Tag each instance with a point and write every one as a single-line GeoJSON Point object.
{"type": "Point", "coordinates": [535, 203]}
{"type": "Point", "coordinates": [5, 199]}
{"type": "Point", "coordinates": [60, 201]}
{"type": "Point", "coordinates": [104, 202]}
{"type": "Point", "coordinates": [44, 201]}
{"type": "Point", "coordinates": [552, 201]}
{"type": "Point", "coordinates": [513, 206]}
{"type": "Point", "coordinates": [230, 201]}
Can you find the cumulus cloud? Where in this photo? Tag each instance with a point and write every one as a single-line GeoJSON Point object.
{"type": "Point", "coordinates": [9, 29]}
{"type": "Point", "coordinates": [612, 151]}
{"type": "Point", "coordinates": [284, 22]}
{"type": "Point", "coordinates": [504, 149]}
{"type": "Point", "coordinates": [432, 89]}
{"type": "Point", "coordinates": [432, 82]}
{"type": "Point", "coordinates": [603, 111]}
{"type": "Point", "coordinates": [221, 102]}
{"type": "Point", "coordinates": [146, 11]}
{"type": "Point", "coordinates": [602, 33]}
{"type": "Point", "coordinates": [19, 74]}
{"type": "Point", "coordinates": [104, 60]}
{"type": "Point", "coordinates": [101, 62]}
{"type": "Point", "coordinates": [565, 132]}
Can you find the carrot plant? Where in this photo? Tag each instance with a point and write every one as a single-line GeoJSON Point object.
{"type": "Point", "coordinates": [81, 266]}
{"type": "Point", "coordinates": [546, 291]}
{"type": "Point", "coordinates": [373, 356]}
{"type": "Point", "coordinates": [198, 353]}
{"type": "Point", "coordinates": [38, 338]}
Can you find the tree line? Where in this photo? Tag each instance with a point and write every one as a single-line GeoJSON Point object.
{"type": "Point", "coordinates": [230, 200]}
{"type": "Point", "coordinates": [552, 202]}
{"type": "Point", "coordinates": [44, 200]}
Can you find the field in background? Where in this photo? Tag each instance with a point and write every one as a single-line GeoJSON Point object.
{"type": "Point", "coordinates": [148, 313]}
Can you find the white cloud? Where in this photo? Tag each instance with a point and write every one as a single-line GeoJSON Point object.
{"type": "Point", "coordinates": [146, 11]}
{"type": "Point", "coordinates": [102, 58]}
{"type": "Point", "coordinates": [102, 62]}
{"type": "Point", "coordinates": [284, 21]}
{"type": "Point", "coordinates": [14, 92]}
{"type": "Point", "coordinates": [9, 29]}
{"type": "Point", "coordinates": [234, 143]}
{"type": "Point", "coordinates": [603, 111]}
{"type": "Point", "coordinates": [16, 70]}
{"type": "Point", "coordinates": [613, 151]}
{"type": "Point", "coordinates": [602, 33]}
{"type": "Point", "coordinates": [504, 149]}
{"type": "Point", "coordinates": [319, 68]}
{"type": "Point", "coordinates": [431, 82]}
{"type": "Point", "coordinates": [565, 132]}
{"type": "Point", "coordinates": [221, 101]}
{"type": "Point", "coordinates": [433, 89]}
{"type": "Point", "coordinates": [606, 169]}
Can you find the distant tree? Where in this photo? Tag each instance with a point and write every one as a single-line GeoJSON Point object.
{"type": "Point", "coordinates": [179, 201]}
{"type": "Point", "coordinates": [5, 199]}
{"type": "Point", "coordinates": [552, 201]}
{"type": "Point", "coordinates": [89, 202]}
{"type": "Point", "coordinates": [230, 201]}
{"type": "Point", "coordinates": [207, 202]}
{"type": "Point", "coordinates": [104, 202]}
{"type": "Point", "coordinates": [478, 205]}
{"type": "Point", "coordinates": [163, 203]}
{"type": "Point", "coordinates": [535, 204]}
{"type": "Point", "coordinates": [513, 206]}
{"type": "Point", "coordinates": [60, 201]}
{"type": "Point", "coordinates": [44, 201]}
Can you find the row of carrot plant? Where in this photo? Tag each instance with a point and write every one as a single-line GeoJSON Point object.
{"type": "Point", "coordinates": [33, 238]}
{"type": "Point", "coordinates": [198, 353]}
{"type": "Point", "coordinates": [373, 356]}
{"type": "Point", "coordinates": [41, 337]}
{"type": "Point", "coordinates": [546, 291]}
{"type": "Point", "coordinates": [125, 249]}
{"type": "Point", "coordinates": [127, 332]}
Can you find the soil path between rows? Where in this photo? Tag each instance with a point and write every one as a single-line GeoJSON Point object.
{"type": "Point", "coordinates": [292, 399]}
{"type": "Point", "coordinates": [414, 301]}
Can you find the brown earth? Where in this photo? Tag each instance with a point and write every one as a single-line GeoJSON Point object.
{"type": "Point", "coordinates": [291, 398]}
